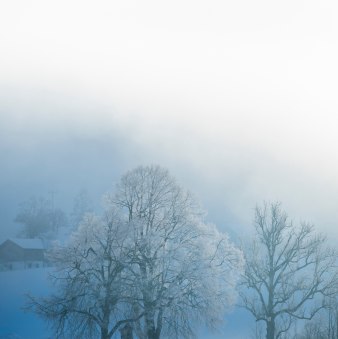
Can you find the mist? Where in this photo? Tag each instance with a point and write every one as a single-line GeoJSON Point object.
{"type": "Point", "coordinates": [237, 99]}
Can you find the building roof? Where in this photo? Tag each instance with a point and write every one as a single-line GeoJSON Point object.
{"type": "Point", "coordinates": [36, 244]}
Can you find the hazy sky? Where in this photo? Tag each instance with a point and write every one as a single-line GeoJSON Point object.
{"type": "Point", "coordinates": [237, 98]}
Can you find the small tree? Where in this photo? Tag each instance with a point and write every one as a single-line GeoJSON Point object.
{"type": "Point", "coordinates": [40, 218]}
{"type": "Point", "coordinates": [324, 325]}
{"type": "Point", "coordinates": [287, 270]}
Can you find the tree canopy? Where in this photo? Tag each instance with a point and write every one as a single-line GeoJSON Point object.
{"type": "Point", "coordinates": [150, 261]}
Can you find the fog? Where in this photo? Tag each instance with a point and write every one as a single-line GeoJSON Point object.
{"type": "Point", "coordinates": [238, 100]}
{"type": "Point", "coordinates": [230, 165]}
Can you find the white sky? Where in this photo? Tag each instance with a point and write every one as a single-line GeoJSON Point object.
{"type": "Point", "coordinates": [243, 91]}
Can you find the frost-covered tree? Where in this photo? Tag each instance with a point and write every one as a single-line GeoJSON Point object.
{"type": "Point", "coordinates": [40, 218]}
{"type": "Point", "coordinates": [288, 270]}
{"type": "Point", "coordinates": [92, 296]}
{"type": "Point", "coordinates": [185, 269]}
{"type": "Point", "coordinates": [150, 264]}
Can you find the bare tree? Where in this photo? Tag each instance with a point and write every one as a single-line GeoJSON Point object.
{"type": "Point", "coordinates": [185, 269]}
{"type": "Point", "coordinates": [324, 325]}
{"type": "Point", "coordinates": [92, 286]}
{"type": "Point", "coordinates": [287, 271]}
{"type": "Point", "coordinates": [40, 218]}
{"type": "Point", "coordinates": [313, 330]}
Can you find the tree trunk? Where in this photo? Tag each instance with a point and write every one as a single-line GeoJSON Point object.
{"type": "Point", "coordinates": [151, 330]}
{"type": "Point", "coordinates": [270, 329]}
{"type": "Point", "coordinates": [153, 335]}
{"type": "Point", "coordinates": [105, 323]}
{"type": "Point", "coordinates": [126, 332]}
{"type": "Point", "coordinates": [104, 333]}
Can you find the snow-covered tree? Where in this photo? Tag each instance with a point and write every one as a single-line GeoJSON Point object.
{"type": "Point", "coordinates": [185, 269]}
{"type": "Point", "coordinates": [151, 262]}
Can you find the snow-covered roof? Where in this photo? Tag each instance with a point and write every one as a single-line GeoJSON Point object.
{"type": "Point", "coordinates": [36, 244]}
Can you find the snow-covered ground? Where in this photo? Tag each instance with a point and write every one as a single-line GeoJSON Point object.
{"type": "Point", "coordinates": [15, 323]}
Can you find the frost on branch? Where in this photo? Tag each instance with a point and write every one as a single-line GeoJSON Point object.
{"type": "Point", "coordinates": [150, 261]}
